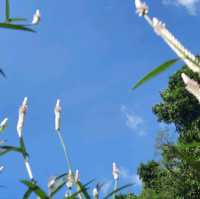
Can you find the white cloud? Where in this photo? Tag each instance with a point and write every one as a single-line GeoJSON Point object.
{"type": "Point", "coordinates": [190, 5]}
{"type": "Point", "coordinates": [133, 121]}
{"type": "Point", "coordinates": [126, 175]}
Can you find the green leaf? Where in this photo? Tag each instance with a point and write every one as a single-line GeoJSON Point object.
{"type": "Point", "coordinates": [7, 11]}
{"type": "Point", "coordinates": [117, 190]}
{"type": "Point", "coordinates": [187, 146]}
{"type": "Point", "coordinates": [59, 182]}
{"type": "Point", "coordinates": [27, 194]}
{"type": "Point", "coordinates": [17, 19]}
{"type": "Point", "coordinates": [2, 73]}
{"type": "Point", "coordinates": [16, 27]}
{"type": "Point", "coordinates": [35, 188]}
{"type": "Point", "coordinates": [7, 149]}
{"type": "Point", "coordinates": [163, 67]}
{"type": "Point", "coordinates": [73, 196]}
{"type": "Point", "coordinates": [83, 190]}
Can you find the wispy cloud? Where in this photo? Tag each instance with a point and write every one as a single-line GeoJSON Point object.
{"type": "Point", "coordinates": [126, 175]}
{"type": "Point", "coordinates": [133, 121]}
{"type": "Point", "coordinates": [190, 5]}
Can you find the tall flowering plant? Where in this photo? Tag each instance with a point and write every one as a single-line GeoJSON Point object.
{"type": "Point", "coordinates": [182, 52]}
{"type": "Point", "coordinates": [68, 179]}
{"type": "Point", "coordinates": [18, 23]}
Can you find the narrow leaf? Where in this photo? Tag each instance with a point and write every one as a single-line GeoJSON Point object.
{"type": "Point", "coordinates": [16, 27]}
{"type": "Point", "coordinates": [117, 190]}
{"type": "Point", "coordinates": [58, 183]}
{"type": "Point", "coordinates": [17, 19]}
{"type": "Point", "coordinates": [163, 67]}
{"type": "Point", "coordinates": [83, 190]}
{"type": "Point", "coordinates": [7, 11]}
{"type": "Point", "coordinates": [27, 194]}
{"type": "Point", "coordinates": [2, 73]}
{"type": "Point", "coordinates": [7, 149]}
{"type": "Point", "coordinates": [35, 188]}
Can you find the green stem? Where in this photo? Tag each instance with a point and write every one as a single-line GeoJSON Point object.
{"type": "Point", "coordinates": [65, 150]}
{"type": "Point", "coordinates": [26, 161]}
{"type": "Point", "coordinates": [115, 187]}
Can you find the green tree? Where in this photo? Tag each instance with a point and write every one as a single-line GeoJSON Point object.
{"type": "Point", "coordinates": [177, 175]}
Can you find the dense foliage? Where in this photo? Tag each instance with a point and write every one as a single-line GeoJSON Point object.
{"type": "Point", "coordinates": [177, 175]}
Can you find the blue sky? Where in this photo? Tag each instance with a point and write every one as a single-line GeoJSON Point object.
{"type": "Point", "coordinates": [88, 54]}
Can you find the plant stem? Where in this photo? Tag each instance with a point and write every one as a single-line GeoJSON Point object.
{"type": "Point", "coordinates": [26, 160]}
{"type": "Point", "coordinates": [115, 187]}
{"type": "Point", "coordinates": [69, 165]}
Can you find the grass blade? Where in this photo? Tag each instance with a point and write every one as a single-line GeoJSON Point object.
{"type": "Point", "coordinates": [163, 67]}
{"type": "Point", "coordinates": [83, 190]}
{"type": "Point", "coordinates": [17, 19]}
{"type": "Point", "coordinates": [7, 11]}
{"type": "Point", "coordinates": [59, 182]}
{"type": "Point", "coordinates": [7, 149]}
{"type": "Point", "coordinates": [117, 190]}
{"type": "Point", "coordinates": [27, 194]}
{"type": "Point", "coordinates": [2, 73]}
{"type": "Point", "coordinates": [35, 188]}
{"type": "Point", "coordinates": [15, 27]}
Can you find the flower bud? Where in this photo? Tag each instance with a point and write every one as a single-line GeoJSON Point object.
{"type": "Point", "coordinates": [70, 179]}
{"type": "Point", "coordinates": [36, 17]}
{"type": "Point", "coordinates": [57, 111]}
{"type": "Point", "coordinates": [21, 117]}
{"type": "Point", "coordinates": [141, 8]}
{"type": "Point", "coordinates": [77, 176]}
{"type": "Point", "coordinates": [115, 171]}
{"type": "Point", "coordinates": [3, 124]}
{"type": "Point", "coordinates": [95, 193]}
{"type": "Point", "coordinates": [191, 86]}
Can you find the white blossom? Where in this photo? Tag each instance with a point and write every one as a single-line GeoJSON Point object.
{"type": "Point", "coordinates": [36, 17]}
{"type": "Point", "coordinates": [21, 117]}
{"type": "Point", "coordinates": [70, 179]}
{"type": "Point", "coordinates": [95, 193]}
{"type": "Point", "coordinates": [3, 124]}
{"type": "Point", "coordinates": [191, 86]}
{"type": "Point", "coordinates": [160, 28]}
{"type": "Point", "coordinates": [77, 176]}
{"type": "Point", "coordinates": [141, 8]}
{"type": "Point", "coordinates": [57, 111]}
{"type": "Point", "coordinates": [115, 171]}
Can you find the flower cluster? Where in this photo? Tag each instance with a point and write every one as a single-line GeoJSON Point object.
{"type": "Point", "coordinates": [190, 59]}
{"type": "Point", "coordinates": [141, 8]}
{"type": "Point", "coordinates": [161, 30]}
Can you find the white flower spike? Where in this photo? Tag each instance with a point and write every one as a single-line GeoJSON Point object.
{"type": "Point", "coordinates": [77, 176]}
{"type": "Point", "coordinates": [141, 8]}
{"type": "Point", "coordinates": [3, 124]}
{"type": "Point", "coordinates": [95, 193]}
{"type": "Point", "coordinates": [70, 179]}
{"type": "Point", "coordinates": [191, 86]}
{"type": "Point", "coordinates": [21, 117]}
{"type": "Point", "coordinates": [115, 171]}
{"type": "Point", "coordinates": [191, 61]}
{"type": "Point", "coordinates": [36, 17]}
{"type": "Point", "coordinates": [57, 111]}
